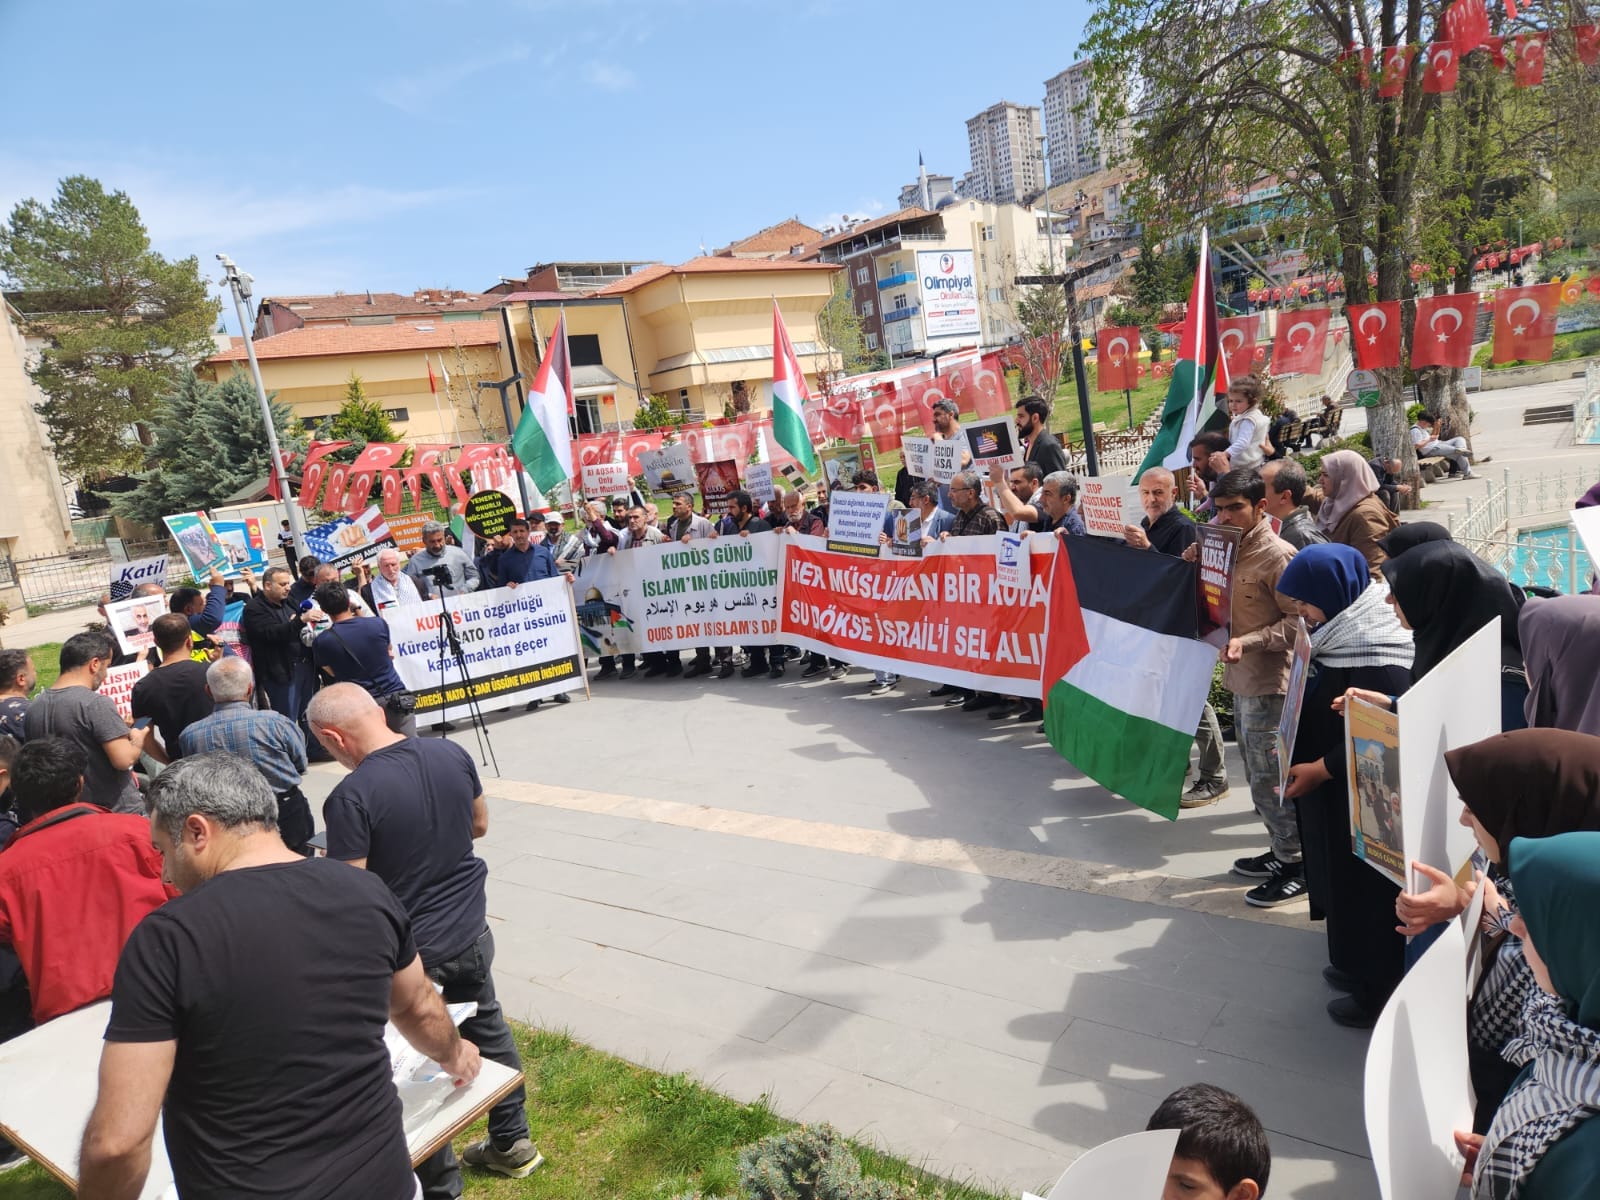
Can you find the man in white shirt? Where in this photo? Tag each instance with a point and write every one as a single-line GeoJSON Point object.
{"type": "Point", "coordinates": [1424, 438]}
{"type": "Point", "coordinates": [389, 585]}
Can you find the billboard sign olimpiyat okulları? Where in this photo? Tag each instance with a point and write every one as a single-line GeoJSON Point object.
{"type": "Point", "coordinates": [949, 292]}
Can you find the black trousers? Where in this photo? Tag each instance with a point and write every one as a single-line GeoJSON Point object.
{"type": "Point", "coordinates": [295, 822]}
{"type": "Point", "coordinates": [467, 978]}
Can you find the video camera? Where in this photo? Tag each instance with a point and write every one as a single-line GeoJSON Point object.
{"type": "Point", "coordinates": [440, 575]}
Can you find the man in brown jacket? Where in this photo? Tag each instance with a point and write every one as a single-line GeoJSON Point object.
{"type": "Point", "coordinates": [1263, 624]}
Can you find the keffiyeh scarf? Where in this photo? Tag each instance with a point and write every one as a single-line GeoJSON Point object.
{"type": "Point", "coordinates": [1559, 1094]}
{"type": "Point", "coordinates": [1367, 634]}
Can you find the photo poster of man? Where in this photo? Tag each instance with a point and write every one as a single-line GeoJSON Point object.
{"type": "Point", "coordinates": [246, 545]}
{"type": "Point", "coordinates": [1372, 738]}
{"type": "Point", "coordinates": [130, 622]}
{"type": "Point", "coordinates": [841, 464]}
{"type": "Point", "coordinates": [1293, 700]}
{"type": "Point", "coordinates": [718, 481]}
{"type": "Point", "coordinates": [198, 542]}
{"type": "Point", "coordinates": [907, 540]}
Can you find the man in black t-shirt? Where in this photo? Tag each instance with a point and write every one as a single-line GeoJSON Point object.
{"type": "Point", "coordinates": [268, 1065]}
{"type": "Point", "coordinates": [174, 695]}
{"type": "Point", "coordinates": [408, 812]}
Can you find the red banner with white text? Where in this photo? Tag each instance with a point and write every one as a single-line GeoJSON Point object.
{"type": "Point", "coordinates": [943, 617]}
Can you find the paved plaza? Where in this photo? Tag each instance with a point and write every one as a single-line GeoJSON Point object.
{"type": "Point", "coordinates": [915, 923]}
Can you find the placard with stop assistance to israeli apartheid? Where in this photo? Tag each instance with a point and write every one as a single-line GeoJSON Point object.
{"type": "Point", "coordinates": [945, 617]}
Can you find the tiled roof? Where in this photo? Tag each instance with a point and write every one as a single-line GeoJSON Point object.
{"type": "Point", "coordinates": [320, 341]}
{"type": "Point", "coordinates": [905, 214]}
{"type": "Point", "coordinates": [383, 304]}
{"type": "Point", "coordinates": [710, 266]}
{"type": "Point", "coordinates": [779, 238]}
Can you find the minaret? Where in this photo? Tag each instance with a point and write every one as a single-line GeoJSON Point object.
{"type": "Point", "coordinates": [922, 183]}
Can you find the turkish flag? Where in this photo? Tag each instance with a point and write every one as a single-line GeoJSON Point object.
{"type": "Point", "coordinates": [637, 443]}
{"type": "Point", "coordinates": [313, 471]}
{"type": "Point", "coordinates": [882, 418]}
{"type": "Point", "coordinates": [1587, 39]}
{"type": "Point", "coordinates": [1363, 72]}
{"type": "Point", "coordinates": [1466, 23]}
{"type": "Point", "coordinates": [379, 455]}
{"type": "Point", "coordinates": [841, 418]}
{"type": "Point", "coordinates": [597, 448]}
{"type": "Point", "coordinates": [1525, 322]}
{"type": "Point", "coordinates": [989, 380]}
{"type": "Point", "coordinates": [1375, 334]}
{"type": "Point", "coordinates": [925, 393]}
{"type": "Point", "coordinates": [1442, 335]}
{"type": "Point", "coordinates": [1302, 334]}
{"type": "Point", "coordinates": [394, 492]}
{"type": "Point", "coordinates": [1527, 52]}
{"type": "Point", "coordinates": [1237, 336]}
{"type": "Point", "coordinates": [1117, 358]}
{"type": "Point", "coordinates": [1496, 46]}
{"type": "Point", "coordinates": [1439, 75]}
{"type": "Point", "coordinates": [957, 378]}
{"type": "Point", "coordinates": [1396, 66]}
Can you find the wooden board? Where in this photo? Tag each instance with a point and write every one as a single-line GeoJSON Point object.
{"type": "Point", "coordinates": [49, 1079]}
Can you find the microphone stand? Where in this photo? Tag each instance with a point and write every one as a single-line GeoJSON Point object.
{"type": "Point", "coordinates": [449, 642]}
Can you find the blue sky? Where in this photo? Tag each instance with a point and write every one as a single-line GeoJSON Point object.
{"type": "Point", "coordinates": [389, 146]}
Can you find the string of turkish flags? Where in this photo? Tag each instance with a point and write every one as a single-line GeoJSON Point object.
{"type": "Point", "coordinates": [1466, 29]}
{"type": "Point", "coordinates": [1442, 332]}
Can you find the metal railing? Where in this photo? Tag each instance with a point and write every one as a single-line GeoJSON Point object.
{"type": "Point", "coordinates": [1521, 528]}
{"type": "Point", "coordinates": [1586, 409]}
{"type": "Point", "coordinates": [68, 580]}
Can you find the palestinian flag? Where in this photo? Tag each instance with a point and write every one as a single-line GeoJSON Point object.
{"type": "Point", "coordinates": [543, 438]}
{"type": "Point", "coordinates": [1125, 674]}
{"type": "Point", "coordinates": [789, 397]}
{"type": "Point", "coordinates": [1199, 375]}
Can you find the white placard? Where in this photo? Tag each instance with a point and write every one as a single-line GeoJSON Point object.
{"type": "Point", "coordinates": [949, 292]}
{"type": "Point", "coordinates": [1131, 1168]}
{"type": "Point", "coordinates": [518, 644]}
{"type": "Point", "coordinates": [605, 479]}
{"type": "Point", "coordinates": [669, 469]}
{"type": "Point", "coordinates": [993, 441]}
{"type": "Point", "coordinates": [855, 521]}
{"type": "Point", "coordinates": [1587, 523]}
{"type": "Point", "coordinates": [49, 1079]}
{"type": "Point", "coordinates": [1107, 503]}
{"type": "Point", "coordinates": [1455, 704]}
{"type": "Point", "coordinates": [944, 460]}
{"type": "Point", "coordinates": [118, 685]}
{"type": "Point", "coordinates": [758, 481]}
{"type": "Point", "coordinates": [1418, 1089]}
{"type": "Point", "coordinates": [1011, 561]}
{"type": "Point", "coordinates": [125, 576]}
{"type": "Point", "coordinates": [130, 622]}
{"type": "Point", "coordinates": [914, 452]}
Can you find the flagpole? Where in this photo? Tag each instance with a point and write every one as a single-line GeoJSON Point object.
{"type": "Point", "coordinates": [438, 409]}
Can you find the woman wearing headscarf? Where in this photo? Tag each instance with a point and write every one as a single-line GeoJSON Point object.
{"type": "Point", "coordinates": [1561, 650]}
{"type": "Point", "coordinates": [1531, 783]}
{"type": "Point", "coordinates": [1356, 642]}
{"type": "Point", "coordinates": [1352, 512]}
{"type": "Point", "coordinates": [1444, 594]}
{"type": "Point", "coordinates": [1543, 1143]}
{"type": "Point", "coordinates": [1412, 534]}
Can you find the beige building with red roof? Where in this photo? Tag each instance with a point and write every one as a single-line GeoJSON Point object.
{"type": "Point", "coordinates": [775, 241]}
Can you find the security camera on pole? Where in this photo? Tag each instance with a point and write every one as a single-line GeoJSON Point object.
{"type": "Point", "coordinates": [239, 284]}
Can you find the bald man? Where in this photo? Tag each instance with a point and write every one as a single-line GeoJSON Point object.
{"type": "Point", "coordinates": [408, 812]}
{"type": "Point", "coordinates": [1165, 528]}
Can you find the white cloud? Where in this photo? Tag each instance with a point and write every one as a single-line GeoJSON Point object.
{"type": "Point", "coordinates": [611, 77]}
{"type": "Point", "coordinates": [418, 91]}
{"type": "Point", "coordinates": [862, 210]}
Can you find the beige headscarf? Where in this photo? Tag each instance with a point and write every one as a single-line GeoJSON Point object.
{"type": "Point", "coordinates": [1347, 480]}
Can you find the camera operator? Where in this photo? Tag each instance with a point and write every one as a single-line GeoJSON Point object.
{"type": "Point", "coordinates": [439, 568]}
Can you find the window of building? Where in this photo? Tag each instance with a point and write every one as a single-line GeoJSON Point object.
{"type": "Point", "coordinates": [372, 321]}
{"type": "Point", "coordinates": [868, 308]}
{"type": "Point", "coordinates": [872, 341]}
{"type": "Point", "coordinates": [586, 414]}
{"type": "Point", "coordinates": [683, 399]}
{"type": "Point", "coordinates": [584, 349]}
{"type": "Point", "coordinates": [996, 295]}
{"type": "Point", "coordinates": [900, 301]}
{"type": "Point", "coordinates": [988, 233]}
{"type": "Point", "coordinates": [861, 274]}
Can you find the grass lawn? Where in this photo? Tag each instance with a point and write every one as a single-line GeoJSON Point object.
{"type": "Point", "coordinates": [610, 1129]}
{"type": "Point", "coordinates": [1109, 408]}
{"type": "Point", "coordinates": [1579, 344]}
{"type": "Point", "coordinates": [47, 661]}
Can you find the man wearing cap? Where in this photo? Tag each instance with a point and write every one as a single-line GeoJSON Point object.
{"type": "Point", "coordinates": [566, 548]}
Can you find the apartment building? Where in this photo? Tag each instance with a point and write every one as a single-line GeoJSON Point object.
{"type": "Point", "coordinates": [1003, 141]}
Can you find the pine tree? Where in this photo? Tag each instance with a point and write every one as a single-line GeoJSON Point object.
{"type": "Point", "coordinates": [122, 324]}
{"type": "Point", "coordinates": [358, 420]}
{"type": "Point", "coordinates": [209, 443]}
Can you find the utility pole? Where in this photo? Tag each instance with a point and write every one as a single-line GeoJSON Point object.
{"type": "Point", "coordinates": [239, 284]}
{"type": "Point", "coordinates": [504, 388]}
{"type": "Point", "coordinates": [1068, 281]}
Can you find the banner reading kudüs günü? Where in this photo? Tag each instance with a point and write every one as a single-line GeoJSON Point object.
{"type": "Point", "coordinates": [944, 617]}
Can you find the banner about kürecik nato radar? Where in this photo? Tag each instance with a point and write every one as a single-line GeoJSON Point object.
{"type": "Point", "coordinates": [517, 644]}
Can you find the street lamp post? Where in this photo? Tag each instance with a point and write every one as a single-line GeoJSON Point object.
{"type": "Point", "coordinates": [239, 284]}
